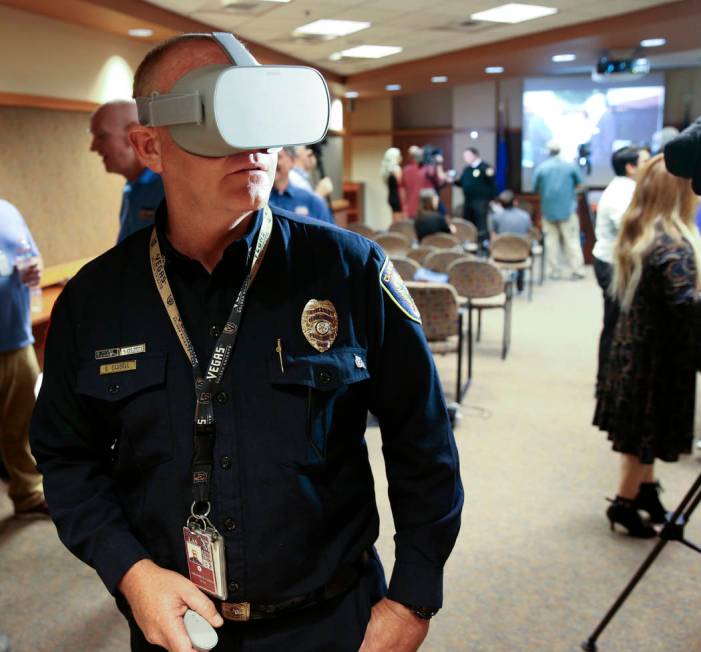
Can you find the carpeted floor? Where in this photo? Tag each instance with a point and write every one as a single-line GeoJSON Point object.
{"type": "Point", "coordinates": [535, 566]}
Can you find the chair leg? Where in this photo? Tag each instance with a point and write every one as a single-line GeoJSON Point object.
{"type": "Point", "coordinates": [506, 337]}
{"type": "Point", "coordinates": [530, 280]}
{"type": "Point", "coordinates": [542, 265]}
{"type": "Point", "coordinates": [458, 384]}
{"type": "Point", "coordinates": [469, 344]}
{"type": "Point", "coordinates": [479, 324]}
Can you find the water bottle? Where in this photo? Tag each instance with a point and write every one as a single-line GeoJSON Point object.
{"type": "Point", "coordinates": [24, 257]}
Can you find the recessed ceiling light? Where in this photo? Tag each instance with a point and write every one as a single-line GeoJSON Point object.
{"type": "Point", "coordinates": [474, 135]}
{"type": "Point", "coordinates": [352, 94]}
{"type": "Point", "coordinates": [141, 32]}
{"type": "Point", "coordinates": [393, 87]}
{"type": "Point", "coordinates": [494, 70]}
{"type": "Point", "coordinates": [514, 12]}
{"type": "Point", "coordinates": [439, 79]}
{"type": "Point", "coordinates": [332, 27]}
{"type": "Point", "coordinates": [371, 51]}
{"type": "Point", "coordinates": [653, 42]}
{"type": "Point", "coordinates": [561, 58]}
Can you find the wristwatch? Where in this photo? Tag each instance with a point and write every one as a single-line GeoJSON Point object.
{"type": "Point", "coordinates": [425, 613]}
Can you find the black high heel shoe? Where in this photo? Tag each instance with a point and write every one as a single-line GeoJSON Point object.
{"type": "Point", "coordinates": [623, 512]}
{"type": "Point", "coordinates": [648, 500]}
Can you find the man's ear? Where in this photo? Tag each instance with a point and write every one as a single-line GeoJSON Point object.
{"type": "Point", "coordinates": [147, 146]}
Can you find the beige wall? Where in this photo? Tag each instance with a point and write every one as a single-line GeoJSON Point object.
{"type": "Point", "coordinates": [42, 56]}
{"type": "Point", "coordinates": [683, 96]}
{"type": "Point", "coordinates": [365, 156]}
{"type": "Point", "coordinates": [70, 204]}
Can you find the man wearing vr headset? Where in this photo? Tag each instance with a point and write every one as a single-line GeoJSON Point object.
{"type": "Point", "coordinates": [267, 501]}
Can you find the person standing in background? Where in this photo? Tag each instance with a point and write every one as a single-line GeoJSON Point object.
{"type": "Point", "coordinates": [391, 172]}
{"type": "Point", "coordinates": [304, 161]}
{"type": "Point", "coordinates": [646, 401]}
{"type": "Point", "coordinates": [477, 183]}
{"type": "Point", "coordinates": [19, 368]}
{"type": "Point", "coordinates": [557, 181]}
{"type": "Point", "coordinates": [415, 177]}
{"type": "Point", "coordinates": [288, 197]}
{"type": "Point", "coordinates": [613, 204]}
{"type": "Point", "coordinates": [143, 191]}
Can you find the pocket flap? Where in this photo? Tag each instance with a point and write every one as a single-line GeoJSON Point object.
{"type": "Point", "coordinates": [119, 378]}
{"type": "Point", "coordinates": [324, 371]}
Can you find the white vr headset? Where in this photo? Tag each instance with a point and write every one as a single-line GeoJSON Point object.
{"type": "Point", "coordinates": [219, 109]}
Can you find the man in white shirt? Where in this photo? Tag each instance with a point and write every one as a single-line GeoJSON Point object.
{"type": "Point", "coordinates": [613, 204]}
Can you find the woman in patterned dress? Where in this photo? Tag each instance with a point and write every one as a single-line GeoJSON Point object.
{"type": "Point", "coordinates": [646, 402]}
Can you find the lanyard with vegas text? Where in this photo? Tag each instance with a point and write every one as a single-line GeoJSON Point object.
{"type": "Point", "coordinates": [206, 384]}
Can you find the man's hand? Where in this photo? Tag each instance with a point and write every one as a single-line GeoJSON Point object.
{"type": "Point", "coordinates": [31, 274]}
{"type": "Point", "coordinates": [393, 628]}
{"type": "Point", "coordinates": [324, 188]}
{"type": "Point", "coordinates": [159, 599]}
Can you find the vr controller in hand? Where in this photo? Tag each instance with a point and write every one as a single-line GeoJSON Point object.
{"type": "Point", "coordinates": [682, 155]}
{"type": "Point", "coordinates": [219, 110]}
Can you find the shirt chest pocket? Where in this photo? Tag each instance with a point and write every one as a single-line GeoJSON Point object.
{"type": "Point", "coordinates": [320, 401]}
{"type": "Point", "coordinates": [133, 390]}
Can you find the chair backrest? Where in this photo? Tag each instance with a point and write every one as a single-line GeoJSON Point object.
{"type": "Point", "coordinates": [420, 253]}
{"type": "Point", "coordinates": [438, 307]}
{"type": "Point", "coordinates": [466, 231]}
{"type": "Point", "coordinates": [510, 248]}
{"type": "Point", "coordinates": [363, 229]}
{"type": "Point", "coordinates": [393, 243]}
{"type": "Point", "coordinates": [475, 279]}
{"type": "Point", "coordinates": [406, 267]}
{"type": "Point", "coordinates": [405, 227]}
{"type": "Point", "coordinates": [441, 241]}
{"type": "Point", "coordinates": [439, 260]}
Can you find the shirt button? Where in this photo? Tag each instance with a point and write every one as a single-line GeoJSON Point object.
{"type": "Point", "coordinates": [214, 331]}
{"type": "Point", "coordinates": [325, 377]}
{"type": "Point", "coordinates": [230, 524]}
{"type": "Point", "coordinates": [221, 397]}
{"type": "Point", "coordinates": [226, 462]}
{"type": "Point", "coordinates": [233, 587]}
{"type": "Point", "coordinates": [113, 389]}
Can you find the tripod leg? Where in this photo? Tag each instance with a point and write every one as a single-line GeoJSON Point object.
{"type": "Point", "coordinates": [669, 533]}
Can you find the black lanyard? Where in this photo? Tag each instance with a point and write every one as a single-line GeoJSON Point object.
{"type": "Point", "coordinates": [206, 384]}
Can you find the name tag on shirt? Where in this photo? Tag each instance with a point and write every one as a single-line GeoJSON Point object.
{"type": "Point", "coordinates": [117, 352]}
{"type": "Point", "coordinates": [117, 367]}
{"type": "Point", "coordinates": [302, 210]}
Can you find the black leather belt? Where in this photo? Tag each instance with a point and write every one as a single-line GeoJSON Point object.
{"type": "Point", "coordinates": [343, 580]}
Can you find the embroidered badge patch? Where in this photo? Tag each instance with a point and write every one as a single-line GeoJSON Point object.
{"type": "Point", "coordinates": [393, 285]}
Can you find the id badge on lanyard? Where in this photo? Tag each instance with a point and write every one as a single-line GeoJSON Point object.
{"type": "Point", "coordinates": [204, 545]}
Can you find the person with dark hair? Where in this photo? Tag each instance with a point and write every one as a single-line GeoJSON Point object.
{"type": "Point", "coordinates": [478, 185]}
{"type": "Point", "coordinates": [613, 204]}
{"type": "Point", "coordinates": [290, 197]}
{"type": "Point", "coordinates": [429, 220]}
{"type": "Point", "coordinates": [514, 220]}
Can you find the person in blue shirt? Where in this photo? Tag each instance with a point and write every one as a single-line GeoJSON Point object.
{"type": "Point", "coordinates": [557, 182]}
{"type": "Point", "coordinates": [19, 368]}
{"type": "Point", "coordinates": [293, 198]}
{"type": "Point", "coordinates": [326, 333]}
{"type": "Point", "coordinates": [143, 190]}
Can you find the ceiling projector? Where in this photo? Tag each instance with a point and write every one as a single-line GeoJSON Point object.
{"type": "Point", "coordinates": [616, 68]}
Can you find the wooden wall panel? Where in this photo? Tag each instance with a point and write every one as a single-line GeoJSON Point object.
{"type": "Point", "coordinates": [70, 203]}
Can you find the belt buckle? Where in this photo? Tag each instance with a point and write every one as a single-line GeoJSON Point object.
{"type": "Point", "coordinates": [238, 611]}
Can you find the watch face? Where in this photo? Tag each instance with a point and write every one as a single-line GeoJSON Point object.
{"type": "Point", "coordinates": [424, 612]}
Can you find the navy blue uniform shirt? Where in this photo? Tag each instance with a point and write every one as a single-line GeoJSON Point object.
{"type": "Point", "coordinates": [301, 202]}
{"type": "Point", "coordinates": [292, 491]}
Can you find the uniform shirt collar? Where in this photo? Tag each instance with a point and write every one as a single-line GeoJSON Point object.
{"type": "Point", "coordinates": [234, 254]}
{"type": "Point", "coordinates": [477, 163]}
